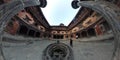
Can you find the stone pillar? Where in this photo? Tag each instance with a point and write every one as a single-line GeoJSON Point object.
{"type": "Point", "coordinates": [95, 31]}
{"type": "Point", "coordinates": [51, 36]}
{"type": "Point", "coordinates": [64, 36]}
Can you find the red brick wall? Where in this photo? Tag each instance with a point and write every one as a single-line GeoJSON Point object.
{"type": "Point", "coordinates": [13, 28]}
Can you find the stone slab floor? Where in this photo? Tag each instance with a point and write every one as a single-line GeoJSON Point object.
{"type": "Point", "coordinates": [82, 50]}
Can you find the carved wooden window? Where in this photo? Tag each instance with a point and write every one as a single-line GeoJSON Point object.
{"type": "Point", "coordinates": [27, 19]}
{"type": "Point", "coordinates": [89, 22]}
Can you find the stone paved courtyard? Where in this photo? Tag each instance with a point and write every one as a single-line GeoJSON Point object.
{"type": "Point", "coordinates": [82, 50]}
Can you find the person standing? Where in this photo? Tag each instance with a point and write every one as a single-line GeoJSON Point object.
{"type": "Point", "coordinates": [71, 42]}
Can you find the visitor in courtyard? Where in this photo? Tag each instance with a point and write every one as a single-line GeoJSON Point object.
{"type": "Point", "coordinates": [71, 42]}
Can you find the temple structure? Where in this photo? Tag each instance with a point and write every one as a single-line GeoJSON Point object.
{"type": "Point", "coordinates": [31, 22]}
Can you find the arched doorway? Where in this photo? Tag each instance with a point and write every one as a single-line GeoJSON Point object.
{"type": "Point", "coordinates": [31, 33]}
{"type": "Point", "coordinates": [91, 32]}
{"type": "Point", "coordinates": [23, 30]}
{"type": "Point", "coordinates": [84, 34]}
{"type": "Point", "coordinates": [37, 34]}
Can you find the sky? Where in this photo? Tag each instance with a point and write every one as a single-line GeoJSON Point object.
{"type": "Point", "coordinates": [59, 11]}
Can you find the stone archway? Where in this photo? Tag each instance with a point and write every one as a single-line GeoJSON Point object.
{"type": "Point", "coordinates": [8, 10]}
{"type": "Point", "coordinates": [12, 8]}
{"type": "Point", "coordinates": [112, 15]}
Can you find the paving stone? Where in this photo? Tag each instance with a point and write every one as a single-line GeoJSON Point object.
{"type": "Point", "coordinates": [81, 50]}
